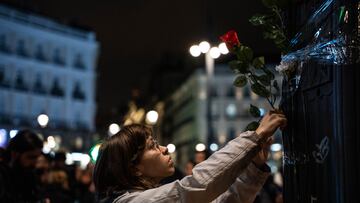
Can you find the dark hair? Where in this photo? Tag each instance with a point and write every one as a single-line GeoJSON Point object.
{"type": "Point", "coordinates": [25, 140]}
{"type": "Point", "coordinates": [60, 156]}
{"type": "Point", "coordinates": [114, 169]}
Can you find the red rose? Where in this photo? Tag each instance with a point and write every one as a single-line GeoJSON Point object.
{"type": "Point", "coordinates": [231, 39]}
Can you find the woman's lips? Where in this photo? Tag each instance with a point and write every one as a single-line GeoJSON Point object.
{"type": "Point", "coordinates": [170, 161]}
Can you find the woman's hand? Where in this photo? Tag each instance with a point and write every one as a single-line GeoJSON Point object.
{"type": "Point", "coordinates": [270, 123]}
{"type": "Point", "coordinates": [262, 156]}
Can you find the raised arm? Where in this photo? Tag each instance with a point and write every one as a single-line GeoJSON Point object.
{"type": "Point", "coordinates": [214, 176]}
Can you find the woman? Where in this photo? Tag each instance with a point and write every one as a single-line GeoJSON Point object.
{"type": "Point", "coordinates": [131, 165]}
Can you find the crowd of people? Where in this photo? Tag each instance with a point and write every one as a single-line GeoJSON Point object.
{"type": "Point", "coordinates": [28, 175]}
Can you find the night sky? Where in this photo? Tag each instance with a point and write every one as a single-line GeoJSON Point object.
{"type": "Point", "coordinates": [144, 43]}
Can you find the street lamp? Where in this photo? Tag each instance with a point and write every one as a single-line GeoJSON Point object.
{"type": "Point", "coordinates": [151, 117]}
{"type": "Point", "coordinates": [113, 129]}
{"type": "Point", "coordinates": [43, 120]}
{"type": "Point", "coordinates": [211, 53]}
{"type": "Point", "coordinates": [171, 148]}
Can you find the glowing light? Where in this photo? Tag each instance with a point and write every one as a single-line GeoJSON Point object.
{"type": "Point", "coordinates": [152, 117]}
{"type": "Point", "coordinates": [215, 52]}
{"type": "Point", "coordinates": [13, 133]}
{"type": "Point", "coordinates": [200, 147]}
{"type": "Point", "coordinates": [275, 147]}
{"type": "Point", "coordinates": [223, 49]}
{"type": "Point", "coordinates": [171, 148]}
{"type": "Point", "coordinates": [46, 149]}
{"type": "Point", "coordinates": [204, 46]}
{"type": "Point", "coordinates": [114, 128]}
{"type": "Point", "coordinates": [3, 137]}
{"type": "Point", "coordinates": [262, 111]}
{"type": "Point", "coordinates": [214, 147]}
{"type": "Point", "coordinates": [94, 152]}
{"type": "Point", "coordinates": [43, 120]}
{"type": "Point", "coordinates": [231, 110]}
{"type": "Point", "coordinates": [195, 51]}
{"type": "Point", "coordinates": [51, 142]}
{"type": "Point", "coordinates": [84, 159]}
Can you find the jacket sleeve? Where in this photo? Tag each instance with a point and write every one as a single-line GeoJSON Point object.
{"type": "Point", "coordinates": [246, 186]}
{"type": "Point", "coordinates": [210, 178]}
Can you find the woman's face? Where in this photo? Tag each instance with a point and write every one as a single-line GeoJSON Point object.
{"type": "Point", "coordinates": [155, 162]}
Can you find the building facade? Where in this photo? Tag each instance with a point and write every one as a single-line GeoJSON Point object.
{"type": "Point", "coordinates": [46, 68]}
{"type": "Point", "coordinates": [186, 119]}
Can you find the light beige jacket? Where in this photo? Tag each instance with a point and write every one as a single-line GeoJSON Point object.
{"type": "Point", "coordinates": [226, 176]}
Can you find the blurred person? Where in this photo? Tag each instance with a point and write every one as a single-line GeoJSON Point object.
{"type": "Point", "coordinates": [270, 193]}
{"type": "Point", "coordinates": [59, 163]}
{"type": "Point", "coordinates": [189, 167]}
{"type": "Point", "coordinates": [131, 164]}
{"type": "Point", "coordinates": [58, 190]}
{"type": "Point", "coordinates": [42, 169]}
{"type": "Point", "coordinates": [201, 156]}
{"type": "Point", "coordinates": [17, 178]}
{"type": "Point", "coordinates": [59, 160]}
{"type": "Point", "coordinates": [85, 187]}
{"type": "Point", "coordinates": [2, 154]}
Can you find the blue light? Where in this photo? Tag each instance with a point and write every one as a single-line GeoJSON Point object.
{"type": "Point", "coordinates": [262, 111]}
{"type": "Point", "coordinates": [214, 147]}
{"type": "Point", "coordinates": [3, 137]}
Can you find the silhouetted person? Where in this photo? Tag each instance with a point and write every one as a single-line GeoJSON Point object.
{"type": "Point", "coordinates": [17, 179]}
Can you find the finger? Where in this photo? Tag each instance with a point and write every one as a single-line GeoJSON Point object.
{"type": "Point", "coordinates": [278, 115]}
{"type": "Point", "coordinates": [283, 123]}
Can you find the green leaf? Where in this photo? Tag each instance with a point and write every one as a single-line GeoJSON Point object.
{"type": "Point", "coordinates": [252, 126]}
{"type": "Point", "coordinates": [254, 111]}
{"type": "Point", "coordinates": [258, 19]}
{"type": "Point", "coordinates": [259, 62]}
{"type": "Point", "coordinates": [260, 90]}
{"type": "Point", "coordinates": [240, 81]}
{"type": "Point", "coordinates": [238, 66]}
{"type": "Point", "coordinates": [245, 54]}
{"type": "Point", "coordinates": [265, 79]}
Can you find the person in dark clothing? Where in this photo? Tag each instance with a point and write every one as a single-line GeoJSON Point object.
{"type": "Point", "coordinates": [17, 179]}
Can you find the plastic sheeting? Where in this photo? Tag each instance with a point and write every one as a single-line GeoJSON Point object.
{"type": "Point", "coordinates": [325, 39]}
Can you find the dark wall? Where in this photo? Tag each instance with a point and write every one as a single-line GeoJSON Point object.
{"type": "Point", "coordinates": [321, 102]}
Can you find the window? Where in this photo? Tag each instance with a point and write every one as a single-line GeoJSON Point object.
{"type": "Point", "coordinates": [78, 93]}
{"type": "Point", "coordinates": [21, 48]}
{"type": "Point", "coordinates": [38, 86]}
{"type": "Point", "coordinates": [231, 92]}
{"type": "Point", "coordinates": [20, 83]}
{"type": "Point", "coordinates": [56, 89]}
{"type": "Point", "coordinates": [3, 80]}
{"type": "Point", "coordinates": [58, 57]}
{"type": "Point", "coordinates": [4, 47]}
{"type": "Point", "coordinates": [79, 63]}
{"type": "Point", "coordinates": [40, 55]}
